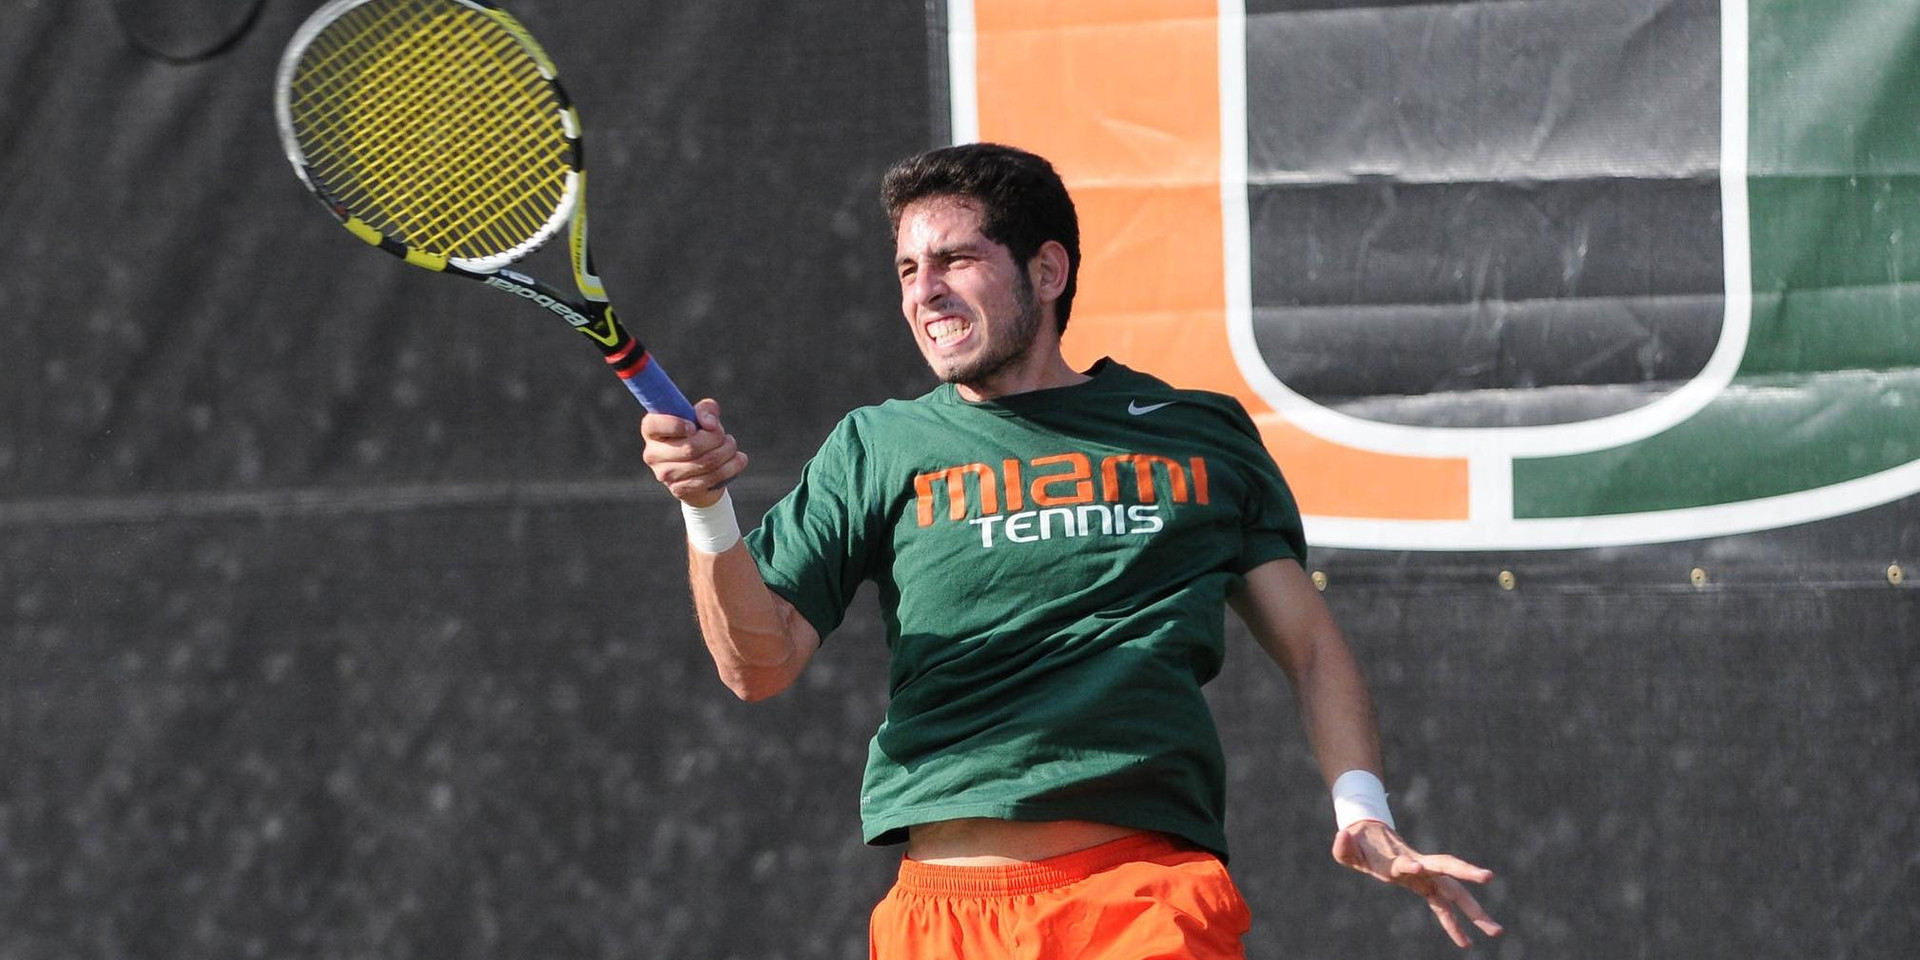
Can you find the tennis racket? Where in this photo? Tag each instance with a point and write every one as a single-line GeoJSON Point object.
{"type": "Point", "coordinates": [437, 130]}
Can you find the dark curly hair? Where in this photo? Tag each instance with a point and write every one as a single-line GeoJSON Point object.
{"type": "Point", "coordinates": [1024, 203]}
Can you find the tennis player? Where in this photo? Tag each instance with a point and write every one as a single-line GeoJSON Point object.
{"type": "Point", "coordinates": [1053, 549]}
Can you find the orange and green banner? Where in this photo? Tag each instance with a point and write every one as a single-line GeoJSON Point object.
{"type": "Point", "coordinates": [1495, 275]}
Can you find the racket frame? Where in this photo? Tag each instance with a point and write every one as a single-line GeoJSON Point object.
{"type": "Point", "coordinates": [592, 315]}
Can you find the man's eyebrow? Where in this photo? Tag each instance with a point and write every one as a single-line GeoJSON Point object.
{"type": "Point", "coordinates": [946, 251]}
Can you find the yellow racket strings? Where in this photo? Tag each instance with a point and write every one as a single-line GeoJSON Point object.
{"type": "Point", "coordinates": [427, 120]}
{"type": "Point", "coordinates": [421, 142]}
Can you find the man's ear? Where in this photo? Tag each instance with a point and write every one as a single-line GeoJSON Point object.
{"type": "Point", "coordinates": [1048, 271]}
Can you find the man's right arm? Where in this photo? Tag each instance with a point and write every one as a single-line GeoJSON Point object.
{"type": "Point", "coordinates": [758, 641]}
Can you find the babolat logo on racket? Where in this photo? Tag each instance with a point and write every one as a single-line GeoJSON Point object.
{"type": "Point", "coordinates": [506, 281]}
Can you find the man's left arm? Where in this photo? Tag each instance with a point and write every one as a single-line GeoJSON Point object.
{"type": "Point", "coordinates": [1290, 620]}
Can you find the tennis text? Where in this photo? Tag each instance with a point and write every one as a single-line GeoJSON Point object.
{"type": "Point", "coordinates": [1065, 495]}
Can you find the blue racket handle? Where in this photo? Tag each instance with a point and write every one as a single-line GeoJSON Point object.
{"type": "Point", "coordinates": [656, 392]}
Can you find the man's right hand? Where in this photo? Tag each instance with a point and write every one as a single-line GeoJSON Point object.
{"type": "Point", "coordinates": [692, 462]}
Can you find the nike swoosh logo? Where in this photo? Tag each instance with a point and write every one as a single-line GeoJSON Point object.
{"type": "Point", "coordinates": [1134, 407]}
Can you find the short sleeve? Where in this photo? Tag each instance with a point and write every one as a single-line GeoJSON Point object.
{"type": "Point", "coordinates": [813, 546]}
{"type": "Point", "coordinates": [1270, 520]}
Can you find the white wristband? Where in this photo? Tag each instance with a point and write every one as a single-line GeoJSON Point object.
{"type": "Point", "coordinates": [714, 528]}
{"type": "Point", "coordinates": [1359, 795]}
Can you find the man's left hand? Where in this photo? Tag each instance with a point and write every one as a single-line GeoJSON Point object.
{"type": "Point", "coordinates": [1375, 849]}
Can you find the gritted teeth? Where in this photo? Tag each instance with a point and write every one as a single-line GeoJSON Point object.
{"type": "Point", "coordinates": [946, 328]}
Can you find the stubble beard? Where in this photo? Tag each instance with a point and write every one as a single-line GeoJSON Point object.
{"type": "Point", "coordinates": [1010, 351]}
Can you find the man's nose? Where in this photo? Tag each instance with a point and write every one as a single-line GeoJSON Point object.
{"type": "Point", "coordinates": [928, 287]}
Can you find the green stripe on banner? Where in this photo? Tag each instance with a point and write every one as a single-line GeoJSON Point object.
{"type": "Point", "coordinates": [1836, 261]}
{"type": "Point", "coordinates": [1829, 388]}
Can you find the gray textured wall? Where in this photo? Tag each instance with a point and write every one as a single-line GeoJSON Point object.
{"type": "Point", "coordinates": [336, 618]}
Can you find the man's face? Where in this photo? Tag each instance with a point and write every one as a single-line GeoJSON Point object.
{"type": "Point", "coordinates": [972, 309]}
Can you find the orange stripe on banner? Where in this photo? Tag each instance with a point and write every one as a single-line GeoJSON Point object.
{"type": "Point", "coordinates": [1071, 14]}
{"type": "Point", "coordinates": [1124, 97]}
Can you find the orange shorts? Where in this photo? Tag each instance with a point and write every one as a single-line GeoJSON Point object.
{"type": "Point", "coordinates": [1136, 898]}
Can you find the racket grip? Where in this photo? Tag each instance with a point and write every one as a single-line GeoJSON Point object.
{"type": "Point", "coordinates": [656, 391]}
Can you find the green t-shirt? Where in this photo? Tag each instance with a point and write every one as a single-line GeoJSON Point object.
{"type": "Point", "coordinates": [1052, 568]}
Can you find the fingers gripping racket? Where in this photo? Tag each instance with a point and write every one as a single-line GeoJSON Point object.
{"type": "Point", "coordinates": [437, 130]}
